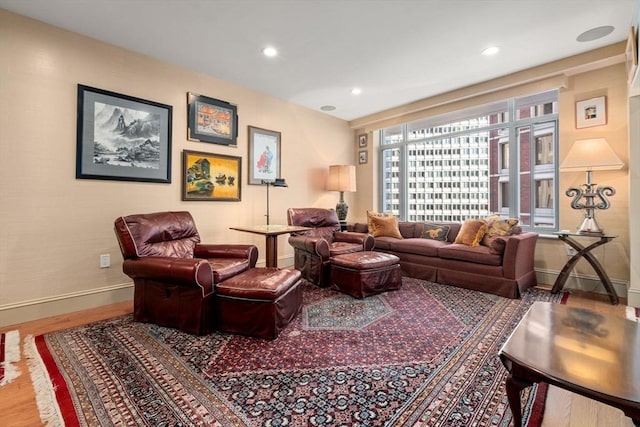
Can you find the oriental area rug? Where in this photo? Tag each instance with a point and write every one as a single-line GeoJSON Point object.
{"type": "Point", "coordinates": [9, 355]}
{"type": "Point", "coordinates": [425, 355]}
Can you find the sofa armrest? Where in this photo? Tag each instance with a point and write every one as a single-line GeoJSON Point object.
{"type": "Point", "coordinates": [315, 245]}
{"type": "Point", "coordinates": [365, 239]}
{"type": "Point", "coordinates": [208, 251]}
{"type": "Point", "coordinates": [519, 254]}
{"type": "Point", "coordinates": [191, 272]}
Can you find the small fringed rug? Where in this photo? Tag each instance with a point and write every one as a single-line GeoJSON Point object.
{"type": "Point", "coordinates": [425, 355]}
{"type": "Point", "coordinates": [9, 355]}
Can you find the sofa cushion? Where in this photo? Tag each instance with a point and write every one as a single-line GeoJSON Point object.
{"type": "Point", "coordinates": [471, 232]}
{"type": "Point", "coordinates": [375, 214]}
{"type": "Point", "coordinates": [435, 231]}
{"type": "Point", "coordinates": [476, 254]}
{"type": "Point", "coordinates": [418, 246]}
{"type": "Point", "coordinates": [385, 226]}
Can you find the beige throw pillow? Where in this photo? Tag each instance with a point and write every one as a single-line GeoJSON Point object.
{"type": "Point", "coordinates": [471, 232]}
{"type": "Point", "coordinates": [384, 226]}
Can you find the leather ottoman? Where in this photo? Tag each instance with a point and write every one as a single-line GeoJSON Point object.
{"type": "Point", "coordinates": [259, 302]}
{"type": "Point", "coordinates": [361, 274]}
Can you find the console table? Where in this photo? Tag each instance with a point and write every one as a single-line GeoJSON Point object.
{"type": "Point", "coordinates": [592, 354]}
{"type": "Point", "coordinates": [271, 233]}
{"type": "Point", "coordinates": [585, 252]}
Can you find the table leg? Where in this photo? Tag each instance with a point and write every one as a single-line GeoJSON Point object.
{"type": "Point", "coordinates": [272, 251]}
{"type": "Point", "coordinates": [514, 386]}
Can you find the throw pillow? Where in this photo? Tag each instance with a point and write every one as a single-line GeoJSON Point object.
{"type": "Point", "coordinates": [384, 226]}
{"type": "Point", "coordinates": [498, 226]}
{"type": "Point", "coordinates": [471, 232]}
{"type": "Point", "coordinates": [374, 214]}
{"type": "Point", "coordinates": [435, 231]}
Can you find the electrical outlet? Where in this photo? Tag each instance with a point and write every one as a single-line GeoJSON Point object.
{"type": "Point", "coordinates": [105, 260]}
{"type": "Point", "coordinates": [571, 251]}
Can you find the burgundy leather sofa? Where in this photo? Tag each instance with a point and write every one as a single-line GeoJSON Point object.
{"type": "Point", "coordinates": [173, 273]}
{"type": "Point", "coordinates": [480, 268]}
{"type": "Point", "coordinates": [312, 249]}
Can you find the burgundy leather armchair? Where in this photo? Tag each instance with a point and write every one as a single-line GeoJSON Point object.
{"type": "Point", "coordinates": [173, 273]}
{"type": "Point", "coordinates": [313, 248]}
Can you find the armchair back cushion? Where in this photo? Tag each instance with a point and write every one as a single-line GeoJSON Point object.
{"type": "Point", "coordinates": [323, 221]}
{"type": "Point", "coordinates": [170, 234]}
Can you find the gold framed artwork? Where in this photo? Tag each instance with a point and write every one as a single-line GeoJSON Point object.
{"type": "Point", "coordinates": [362, 157]}
{"type": "Point", "coordinates": [210, 177]}
{"type": "Point", "coordinates": [591, 112]}
{"type": "Point", "coordinates": [631, 54]}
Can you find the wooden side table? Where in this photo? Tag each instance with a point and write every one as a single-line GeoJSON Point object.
{"type": "Point", "coordinates": [592, 354]}
{"type": "Point", "coordinates": [585, 252]}
{"type": "Point", "coordinates": [271, 233]}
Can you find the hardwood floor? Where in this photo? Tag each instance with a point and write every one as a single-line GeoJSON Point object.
{"type": "Point", "coordinates": [18, 406]}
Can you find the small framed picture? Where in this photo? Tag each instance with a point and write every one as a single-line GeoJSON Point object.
{"type": "Point", "coordinates": [362, 157]}
{"type": "Point", "coordinates": [591, 112]}
{"type": "Point", "coordinates": [362, 140]}
{"type": "Point", "coordinates": [210, 177]}
{"type": "Point", "coordinates": [631, 53]}
{"type": "Point", "coordinates": [211, 120]}
{"type": "Point", "coordinates": [264, 155]}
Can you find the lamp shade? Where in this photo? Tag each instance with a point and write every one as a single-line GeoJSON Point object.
{"type": "Point", "coordinates": [591, 155]}
{"type": "Point", "coordinates": [342, 178]}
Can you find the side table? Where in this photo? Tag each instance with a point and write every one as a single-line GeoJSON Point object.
{"type": "Point", "coordinates": [271, 233]}
{"type": "Point", "coordinates": [585, 252]}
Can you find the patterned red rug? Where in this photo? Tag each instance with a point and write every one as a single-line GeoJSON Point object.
{"type": "Point", "coordinates": [424, 355]}
{"type": "Point", "coordinates": [9, 355]}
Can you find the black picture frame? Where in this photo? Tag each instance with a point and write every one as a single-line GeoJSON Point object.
{"type": "Point", "coordinates": [122, 138]}
{"type": "Point", "coordinates": [211, 120]}
{"type": "Point", "coordinates": [211, 177]}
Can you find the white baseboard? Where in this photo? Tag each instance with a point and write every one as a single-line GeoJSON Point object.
{"type": "Point", "coordinates": [633, 297]}
{"type": "Point", "coordinates": [40, 308]}
{"type": "Point", "coordinates": [582, 282]}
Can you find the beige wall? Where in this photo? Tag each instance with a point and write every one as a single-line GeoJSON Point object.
{"type": "Point", "coordinates": [54, 227]}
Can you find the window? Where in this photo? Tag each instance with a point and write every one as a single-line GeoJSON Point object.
{"type": "Point", "coordinates": [492, 159]}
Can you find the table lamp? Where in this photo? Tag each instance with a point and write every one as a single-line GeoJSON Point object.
{"type": "Point", "coordinates": [342, 178]}
{"type": "Point", "coordinates": [590, 155]}
{"type": "Point", "coordinates": [278, 182]}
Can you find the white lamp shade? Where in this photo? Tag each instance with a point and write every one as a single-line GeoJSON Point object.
{"type": "Point", "coordinates": [342, 178]}
{"type": "Point", "coordinates": [591, 155]}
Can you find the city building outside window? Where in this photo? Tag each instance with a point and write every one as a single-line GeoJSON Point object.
{"type": "Point", "coordinates": [492, 159]}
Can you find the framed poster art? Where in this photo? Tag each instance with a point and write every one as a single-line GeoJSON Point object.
{"type": "Point", "coordinates": [123, 138]}
{"type": "Point", "coordinates": [362, 157]}
{"type": "Point", "coordinates": [264, 155]}
{"type": "Point", "coordinates": [591, 112]}
{"type": "Point", "coordinates": [362, 140]}
{"type": "Point", "coordinates": [211, 120]}
{"type": "Point", "coordinates": [211, 177]}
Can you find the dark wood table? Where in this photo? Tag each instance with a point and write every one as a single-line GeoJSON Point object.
{"type": "Point", "coordinates": [585, 252]}
{"type": "Point", "coordinates": [271, 233]}
{"type": "Point", "coordinates": [593, 354]}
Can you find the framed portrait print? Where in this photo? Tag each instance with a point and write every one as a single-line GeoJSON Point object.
{"type": "Point", "coordinates": [208, 176]}
{"type": "Point", "coordinates": [123, 138]}
{"type": "Point", "coordinates": [264, 155]}
{"type": "Point", "coordinates": [362, 157]}
{"type": "Point", "coordinates": [362, 140]}
{"type": "Point", "coordinates": [591, 112]}
{"type": "Point", "coordinates": [211, 120]}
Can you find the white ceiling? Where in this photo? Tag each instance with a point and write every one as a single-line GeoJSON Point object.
{"type": "Point", "coordinates": [396, 51]}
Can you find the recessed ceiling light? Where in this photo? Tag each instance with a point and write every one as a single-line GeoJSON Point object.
{"type": "Point", "coordinates": [327, 108]}
{"type": "Point", "coordinates": [269, 51]}
{"type": "Point", "coordinates": [595, 33]}
{"type": "Point", "coordinates": [356, 91]}
{"type": "Point", "coordinates": [492, 50]}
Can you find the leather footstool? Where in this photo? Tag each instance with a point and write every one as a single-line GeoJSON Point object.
{"type": "Point", "coordinates": [259, 302]}
{"type": "Point", "coordinates": [361, 274]}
